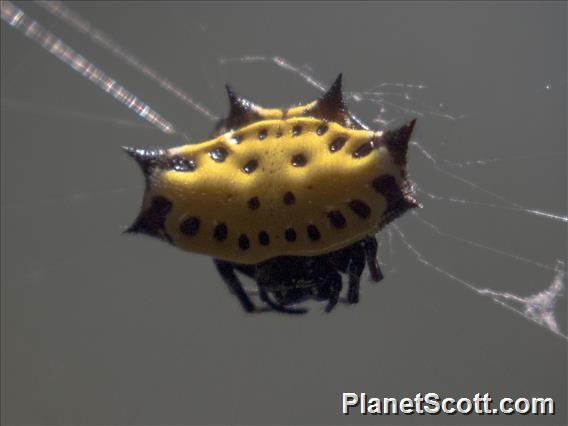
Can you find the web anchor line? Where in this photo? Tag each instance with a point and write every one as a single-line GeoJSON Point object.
{"type": "Point", "coordinates": [59, 10]}
{"type": "Point", "coordinates": [17, 19]}
{"type": "Point", "coordinates": [538, 308]}
{"type": "Point", "coordinates": [508, 204]}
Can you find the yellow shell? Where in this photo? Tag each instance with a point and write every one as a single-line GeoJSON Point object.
{"type": "Point", "coordinates": [286, 184]}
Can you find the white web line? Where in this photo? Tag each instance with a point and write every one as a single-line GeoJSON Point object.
{"type": "Point", "coordinates": [17, 19]}
{"type": "Point", "coordinates": [377, 98]}
{"type": "Point", "coordinates": [496, 160]}
{"type": "Point", "coordinates": [478, 245]}
{"type": "Point", "coordinates": [464, 202]}
{"type": "Point", "coordinates": [372, 96]}
{"type": "Point", "coordinates": [537, 308]}
{"type": "Point", "coordinates": [9, 104]}
{"type": "Point", "coordinates": [279, 62]}
{"type": "Point", "coordinates": [511, 205]}
{"type": "Point", "coordinates": [58, 9]}
{"type": "Point", "coordinates": [380, 98]}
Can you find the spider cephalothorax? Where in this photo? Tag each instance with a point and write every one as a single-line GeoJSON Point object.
{"type": "Point", "coordinates": [290, 197]}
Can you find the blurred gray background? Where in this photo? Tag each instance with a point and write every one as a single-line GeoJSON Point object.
{"type": "Point", "coordinates": [103, 328]}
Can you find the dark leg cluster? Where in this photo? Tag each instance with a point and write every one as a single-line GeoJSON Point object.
{"type": "Point", "coordinates": [286, 281]}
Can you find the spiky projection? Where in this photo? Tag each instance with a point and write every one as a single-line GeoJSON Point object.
{"type": "Point", "coordinates": [306, 188]}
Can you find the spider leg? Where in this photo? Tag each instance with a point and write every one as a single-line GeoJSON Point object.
{"type": "Point", "coordinates": [371, 247]}
{"type": "Point", "coordinates": [278, 307]}
{"type": "Point", "coordinates": [356, 266]}
{"type": "Point", "coordinates": [227, 272]}
{"type": "Point", "coordinates": [247, 270]}
{"type": "Point", "coordinates": [334, 290]}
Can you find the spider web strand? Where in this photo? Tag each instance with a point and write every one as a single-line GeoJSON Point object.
{"type": "Point", "coordinates": [17, 19]}
{"type": "Point", "coordinates": [59, 10]}
{"type": "Point", "coordinates": [511, 205]}
{"type": "Point", "coordinates": [537, 308]}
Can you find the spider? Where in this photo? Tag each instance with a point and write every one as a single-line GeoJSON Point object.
{"type": "Point", "coordinates": [289, 197]}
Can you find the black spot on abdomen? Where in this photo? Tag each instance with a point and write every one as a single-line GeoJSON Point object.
{"type": "Point", "coordinates": [337, 144]}
{"type": "Point", "coordinates": [397, 203]}
{"type": "Point", "coordinates": [299, 160]}
{"type": "Point", "coordinates": [289, 198]}
{"type": "Point", "coordinates": [181, 164]}
{"type": "Point", "coordinates": [190, 226]}
{"type": "Point", "coordinates": [365, 149]}
{"type": "Point", "coordinates": [253, 203]}
{"type": "Point", "coordinates": [386, 185]}
{"type": "Point", "coordinates": [290, 235]}
{"type": "Point", "coordinates": [152, 220]}
{"type": "Point", "coordinates": [313, 232]}
{"type": "Point", "coordinates": [360, 208]}
{"type": "Point", "coordinates": [336, 219]}
{"type": "Point", "coordinates": [219, 154]}
{"type": "Point", "coordinates": [263, 238]}
{"type": "Point", "coordinates": [160, 205]}
{"type": "Point", "coordinates": [244, 243]}
{"type": "Point", "coordinates": [321, 130]}
{"type": "Point", "coordinates": [250, 166]}
{"type": "Point", "coordinates": [220, 232]}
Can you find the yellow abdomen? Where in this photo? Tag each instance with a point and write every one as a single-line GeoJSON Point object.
{"type": "Point", "coordinates": [277, 187]}
{"type": "Point", "coordinates": [300, 181]}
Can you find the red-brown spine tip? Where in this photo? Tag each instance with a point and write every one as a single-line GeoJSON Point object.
{"type": "Point", "coordinates": [241, 110]}
{"type": "Point", "coordinates": [331, 106]}
{"type": "Point", "coordinates": [397, 141]}
{"type": "Point", "coordinates": [334, 95]}
{"type": "Point", "coordinates": [147, 159]}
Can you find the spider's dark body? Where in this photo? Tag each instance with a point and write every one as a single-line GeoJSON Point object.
{"type": "Point", "coordinates": [291, 198]}
{"type": "Point", "coordinates": [289, 280]}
